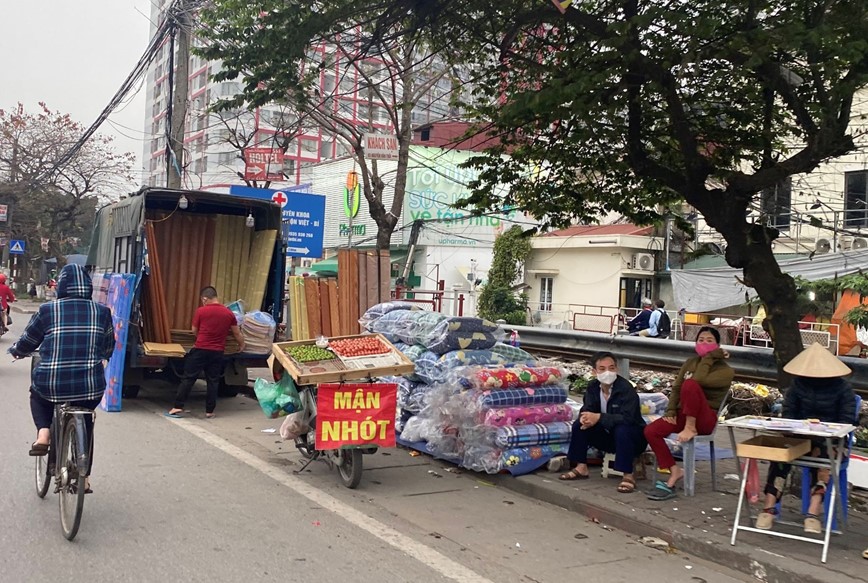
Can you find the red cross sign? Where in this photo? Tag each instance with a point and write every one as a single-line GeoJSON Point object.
{"type": "Point", "coordinates": [280, 198]}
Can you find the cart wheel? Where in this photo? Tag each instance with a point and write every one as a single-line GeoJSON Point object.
{"type": "Point", "coordinates": [130, 391]}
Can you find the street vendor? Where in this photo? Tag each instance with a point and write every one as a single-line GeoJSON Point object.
{"type": "Point", "coordinates": [818, 391]}
{"type": "Point", "coordinates": [700, 387]}
{"type": "Point", "coordinates": [610, 420]}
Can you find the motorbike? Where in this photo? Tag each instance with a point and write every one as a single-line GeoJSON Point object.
{"type": "Point", "coordinates": [347, 460]}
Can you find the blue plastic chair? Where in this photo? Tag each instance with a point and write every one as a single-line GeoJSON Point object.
{"type": "Point", "coordinates": [842, 478]}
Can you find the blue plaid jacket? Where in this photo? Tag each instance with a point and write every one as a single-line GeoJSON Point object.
{"type": "Point", "coordinates": [74, 335]}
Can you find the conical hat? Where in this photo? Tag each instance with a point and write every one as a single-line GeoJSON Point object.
{"type": "Point", "coordinates": [817, 362]}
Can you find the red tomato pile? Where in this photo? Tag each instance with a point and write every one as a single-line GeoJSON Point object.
{"type": "Point", "coordinates": [365, 346]}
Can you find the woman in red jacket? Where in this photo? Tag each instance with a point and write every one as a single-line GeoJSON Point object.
{"type": "Point", "coordinates": [6, 298]}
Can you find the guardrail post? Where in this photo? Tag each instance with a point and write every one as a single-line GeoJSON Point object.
{"type": "Point", "coordinates": [460, 305]}
{"type": "Point", "coordinates": [624, 368]}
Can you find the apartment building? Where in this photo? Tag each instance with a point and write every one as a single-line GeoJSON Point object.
{"type": "Point", "coordinates": [212, 155]}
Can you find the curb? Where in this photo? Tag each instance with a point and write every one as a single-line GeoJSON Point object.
{"type": "Point", "coordinates": [21, 310]}
{"type": "Point", "coordinates": [711, 547]}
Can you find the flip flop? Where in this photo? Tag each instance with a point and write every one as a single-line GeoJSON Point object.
{"type": "Point", "coordinates": [38, 449]}
{"type": "Point", "coordinates": [173, 415]}
{"type": "Point", "coordinates": [865, 554]}
{"type": "Point", "coordinates": [661, 492]}
{"type": "Point", "coordinates": [210, 415]}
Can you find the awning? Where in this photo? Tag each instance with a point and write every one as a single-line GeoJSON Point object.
{"type": "Point", "coordinates": [706, 290]}
{"type": "Point", "coordinates": [331, 264]}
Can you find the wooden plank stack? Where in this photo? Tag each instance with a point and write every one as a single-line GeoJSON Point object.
{"type": "Point", "coordinates": [329, 307]}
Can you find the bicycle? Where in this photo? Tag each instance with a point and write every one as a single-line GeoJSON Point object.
{"type": "Point", "coordinates": [69, 437]}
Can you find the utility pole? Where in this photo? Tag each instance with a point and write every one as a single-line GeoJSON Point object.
{"type": "Point", "coordinates": [179, 89]}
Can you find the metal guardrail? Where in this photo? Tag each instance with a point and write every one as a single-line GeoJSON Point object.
{"type": "Point", "coordinates": [754, 363]}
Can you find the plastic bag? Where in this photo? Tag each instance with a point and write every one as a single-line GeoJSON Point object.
{"type": "Point", "coordinates": [277, 399]}
{"type": "Point", "coordinates": [237, 308]}
{"type": "Point", "coordinates": [513, 354]}
{"type": "Point", "coordinates": [752, 487]}
{"type": "Point", "coordinates": [374, 313]}
{"type": "Point", "coordinates": [294, 426]}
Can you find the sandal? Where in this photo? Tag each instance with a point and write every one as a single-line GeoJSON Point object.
{"type": "Point", "coordinates": [574, 474]}
{"type": "Point", "coordinates": [38, 449]}
{"type": "Point", "coordinates": [209, 415]}
{"type": "Point", "coordinates": [661, 492]}
{"type": "Point", "coordinates": [627, 486]}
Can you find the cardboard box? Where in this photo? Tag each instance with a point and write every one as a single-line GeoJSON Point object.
{"type": "Point", "coordinates": [775, 448]}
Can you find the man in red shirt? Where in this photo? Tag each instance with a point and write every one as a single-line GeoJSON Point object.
{"type": "Point", "coordinates": [211, 325]}
{"type": "Point", "coordinates": [6, 298]}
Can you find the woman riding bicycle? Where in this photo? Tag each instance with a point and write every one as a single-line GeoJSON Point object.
{"type": "Point", "coordinates": [74, 335]}
{"type": "Point", "coordinates": [6, 298]}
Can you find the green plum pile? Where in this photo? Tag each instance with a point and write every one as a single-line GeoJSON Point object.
{"type": "Point", "coordinates": [309, 353]}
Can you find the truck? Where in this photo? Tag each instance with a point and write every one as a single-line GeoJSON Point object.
{"type": "Point", "coordinates": [199, 238]}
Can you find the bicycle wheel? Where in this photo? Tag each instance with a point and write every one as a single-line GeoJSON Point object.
{"type": "Point", "coordinates": [351, 467]}
{"type": "Point", "coordinates": [43, 479]}
{"type": "Point", "coordinates": [71, 482]}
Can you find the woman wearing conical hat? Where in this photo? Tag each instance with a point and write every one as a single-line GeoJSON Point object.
{"type": "Point", "coordinates": [819, 392]}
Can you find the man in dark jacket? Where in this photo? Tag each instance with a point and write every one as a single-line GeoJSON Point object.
{"type": "Point", "coordinates": [817, 392]}
{"type": "Point", "coordinates": [610, 420]}
{"type": "Point", "coordinates": [74, 335]}
{"type": "Point", "coordinates": [642, 320]}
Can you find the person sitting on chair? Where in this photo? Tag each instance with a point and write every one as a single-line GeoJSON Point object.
{"type": "Point", "coordinates": [818, 391]}
{"type": "Point", "coordinates": [641, 320]}
{"type": "Point", "coordinates": [610, 420]}
{"type": "Point", "coordinates": [699, 389]}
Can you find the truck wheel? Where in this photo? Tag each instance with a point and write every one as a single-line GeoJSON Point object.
{"type": "Point", "coordinates": [227, 391]}
{"type": "Point", "coordinates": [130, 391]}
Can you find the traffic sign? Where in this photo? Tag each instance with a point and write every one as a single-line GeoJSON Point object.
{"type": "Point", "coordinates": [16, 247]}
{"type": "Point", "coordinates": [303, 218]}
{"type": "Point", "coordinates": [263, 164]}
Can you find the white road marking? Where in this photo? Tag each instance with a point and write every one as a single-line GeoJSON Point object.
{"type": "Point", "coordinates": [422, 553]}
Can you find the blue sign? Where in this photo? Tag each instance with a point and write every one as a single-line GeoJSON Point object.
{"type": "Point", "coordinates": [16, 247]}
{"type": "Point", "coordinates": [303, 218]}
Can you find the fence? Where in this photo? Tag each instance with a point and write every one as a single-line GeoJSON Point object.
{"type": "Point", "coordinates": [434, 298]}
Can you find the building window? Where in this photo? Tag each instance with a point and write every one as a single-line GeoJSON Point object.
{"type": "Point", "coordinates": [546, 284]}
{"type": "Point", "coordinates": [426, 134]}
{"type": "Point", "coordinates": [776, 204]}
{"type": "Point", "coordinates": [856, 199]}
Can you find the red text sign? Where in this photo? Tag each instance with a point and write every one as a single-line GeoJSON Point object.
{"type": "Point", "coordinates": [355, 414]}
{"type": "Point", "coordinates": [263, 164]}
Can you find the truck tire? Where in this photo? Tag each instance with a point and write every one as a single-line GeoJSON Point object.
{"type": "Point", "coordinates": [226, 391]}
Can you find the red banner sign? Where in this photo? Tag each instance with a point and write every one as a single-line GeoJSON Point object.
{"type": "Point", "coordinates": [263, 164]}
{"type": "Point", "coordinates": [355, 414]}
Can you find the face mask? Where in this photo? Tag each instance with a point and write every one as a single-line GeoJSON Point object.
{"type": "Point", "coordinates": [607, 378]}
{"type": "Point", "coordinates": [705, 348]}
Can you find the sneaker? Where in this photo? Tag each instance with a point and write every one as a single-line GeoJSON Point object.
{"type": "Point", "coordinates": [813, 525]}
{"type": "Point", "coordinates": [765, 520]}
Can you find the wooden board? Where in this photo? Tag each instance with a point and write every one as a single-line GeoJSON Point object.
{"type": "Point", "coordinates": [385, 276]}
{"type": "Point", "coordinates": [372, 282]}
{"type": "Point", "coordinates": [311, 294]}
{"type": "Point", "coordinates": [334, 306]}
{"type": "Point", "coordinates": [305, 377]}
{"type": "Point", "coordinates": [324, 308]}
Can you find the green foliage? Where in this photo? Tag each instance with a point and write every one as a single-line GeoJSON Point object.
{"type": "Point", "coordinates": [497, 299]}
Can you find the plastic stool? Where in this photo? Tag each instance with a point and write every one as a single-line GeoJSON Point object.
{"type": "Point", "coordinates": [608, 466]}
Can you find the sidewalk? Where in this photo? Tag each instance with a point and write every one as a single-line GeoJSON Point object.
{"type": "Point", "coordinates": [690, 525]}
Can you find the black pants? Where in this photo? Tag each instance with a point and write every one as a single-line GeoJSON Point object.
{"type": "Point", "coordinates": [197, 361]}
{"type": "Point", "coordinates": [778, 472]}
{"type": "Point", "coordinates": [42, 412]}
{"type": "Point", "coordinates": [625, 441]}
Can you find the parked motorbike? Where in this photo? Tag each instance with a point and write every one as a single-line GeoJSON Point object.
{"type": "Point", "coordinates": [348, 460]}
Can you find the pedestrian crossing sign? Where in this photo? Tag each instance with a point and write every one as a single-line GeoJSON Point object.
{"type": "Point", "coordinates": [16, 247]}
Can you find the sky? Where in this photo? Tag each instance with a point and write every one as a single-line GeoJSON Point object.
{"type": "Point", "coordinates": [74, 56]}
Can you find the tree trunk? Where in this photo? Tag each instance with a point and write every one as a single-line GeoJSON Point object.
{"type": "Point", "coordinates": [749, 248]}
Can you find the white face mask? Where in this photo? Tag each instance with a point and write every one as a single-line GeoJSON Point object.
{"type": "Point", "coordinates": [608, 377]}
